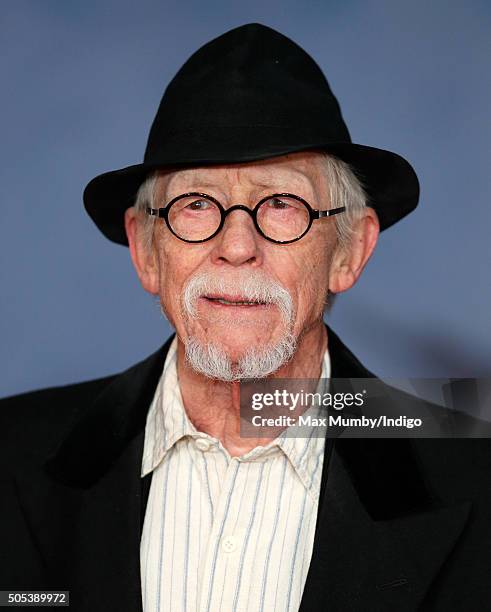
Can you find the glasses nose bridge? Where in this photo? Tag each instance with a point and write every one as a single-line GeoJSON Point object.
{"type": "Point", "coordinates": [243, 207]}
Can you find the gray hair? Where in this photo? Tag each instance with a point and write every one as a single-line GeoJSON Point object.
{"type": "Point", "coordinates": [345, 189]}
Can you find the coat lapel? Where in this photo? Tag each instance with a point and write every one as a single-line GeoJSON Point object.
{"type": "Point", "coordinates": [84, 507]}
{"type": "Point", "coordinates": [88, 538]}
{"type": "Point", "coordinates": [381, 536]}
{"type": "Point", "coordinates": [360, 563]}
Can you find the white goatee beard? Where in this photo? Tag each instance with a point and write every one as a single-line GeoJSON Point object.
{"type": "Point", "coordinates": [210, 359]}
{"type": "Point", "coordinates": [213, 362]}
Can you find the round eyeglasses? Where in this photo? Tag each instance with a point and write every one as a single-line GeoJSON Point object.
{"type": "Point", "coordinates": [281, 218]}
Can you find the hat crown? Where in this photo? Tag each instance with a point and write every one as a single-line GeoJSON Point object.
{"type": "Point", "coordinates": [251, 77]}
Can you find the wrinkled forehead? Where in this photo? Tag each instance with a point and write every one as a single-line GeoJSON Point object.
{"type": "Point", "coordinates": [302, 174]}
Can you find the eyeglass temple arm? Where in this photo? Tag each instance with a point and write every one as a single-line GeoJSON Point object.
{"type": "Point", "coordinates": [156, 212]}
{"type": "Point", "coordinates": [318, 214]}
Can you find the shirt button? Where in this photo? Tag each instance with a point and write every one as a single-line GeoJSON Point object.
{"type": "Point", "coordinates": [229, 544]}
{"type": "Point", "coordinates": [202, 444]}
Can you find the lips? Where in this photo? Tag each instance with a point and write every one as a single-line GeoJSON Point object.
{"type": "Point", "coordinates": [229, 300]}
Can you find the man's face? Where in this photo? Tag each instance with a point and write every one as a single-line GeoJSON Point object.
{"type": "Point", "coordinates": [222, 267]}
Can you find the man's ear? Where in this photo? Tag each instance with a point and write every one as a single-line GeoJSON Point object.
{"type": "Point", "coordinates": [143, 255]}
{"type": "Point", "coordinates": [348, 262]}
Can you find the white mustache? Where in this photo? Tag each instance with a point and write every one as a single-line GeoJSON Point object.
{"type": "Point", "coordinates": [253, 287]}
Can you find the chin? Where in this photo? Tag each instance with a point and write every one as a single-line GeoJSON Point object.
{"type": "Point", "coordinates": [237, 357]}
{"type": "Point", "coordinates": [238, 337]}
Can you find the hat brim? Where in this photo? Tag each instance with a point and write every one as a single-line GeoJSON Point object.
{"type": "Point", "coordinates": [389, 181]}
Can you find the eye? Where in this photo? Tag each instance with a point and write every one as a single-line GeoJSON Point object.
{"type": "Point", "coordinates": [283, 204]}
{"type": "Point", "coordinates": [278, 204]}
{"type": "Point", "coordinates": [199, 205]}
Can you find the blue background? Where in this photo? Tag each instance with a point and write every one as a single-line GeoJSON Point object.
{"type": "Point", "coordinates": [81, 82]}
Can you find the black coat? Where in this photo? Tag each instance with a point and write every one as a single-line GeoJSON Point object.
{"type": "Point", "coordinates": [402, 525]}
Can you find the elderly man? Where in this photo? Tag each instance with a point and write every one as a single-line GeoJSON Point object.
{"type": "Point", "coordinates": [137, 491]}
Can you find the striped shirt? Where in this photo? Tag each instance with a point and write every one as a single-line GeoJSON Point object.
{"type": "Point", "coordinates": [224, 533]}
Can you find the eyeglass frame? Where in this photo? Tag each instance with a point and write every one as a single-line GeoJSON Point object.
{"type": "Point", "coordinates": [163, 213]}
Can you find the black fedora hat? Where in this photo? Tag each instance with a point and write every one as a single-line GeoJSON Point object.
{"type": "Point", "coordinates": [250, 94]}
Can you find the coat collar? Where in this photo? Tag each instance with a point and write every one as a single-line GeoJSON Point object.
{"type": "Point", "coordinates": [115, 418]}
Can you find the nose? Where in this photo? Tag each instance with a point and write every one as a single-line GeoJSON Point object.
{"type": "Point", "coordinates": [238, 243]}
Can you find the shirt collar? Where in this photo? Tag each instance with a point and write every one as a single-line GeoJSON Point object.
{"type": "Point", "coordinates": [167, 422]}
{"type": "Point", "coordinates": [305, 453]}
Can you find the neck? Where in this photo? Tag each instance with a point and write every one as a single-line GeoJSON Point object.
{"type": "Point", "coordinates": [213, 406]}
